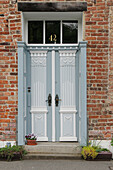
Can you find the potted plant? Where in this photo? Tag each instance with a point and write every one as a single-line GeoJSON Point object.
{"type": "Point", "coordinates": [96, 153]}
{"type": "Point", "coordinates": [89, 153]}
{"type": "Point", "coordinates": [11, 153]}
{"type": "Point", "coordinates": [31, 139]}
{"type": "Point", "coordinates": [103, 154]}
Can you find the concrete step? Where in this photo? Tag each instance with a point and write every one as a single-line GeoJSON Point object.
{"type": "Point", "coordinates": [54, 148]}
{"type": "Point", "coordinates": [52, 156]}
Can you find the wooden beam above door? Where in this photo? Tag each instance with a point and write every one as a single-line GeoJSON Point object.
{"type": "Point", "coordinates": [52, 6]}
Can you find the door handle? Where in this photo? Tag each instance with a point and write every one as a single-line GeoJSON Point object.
{"type": "Point", "coordinates": [49, 100]}
{"type": "Point", "coordinates": [57, 100]}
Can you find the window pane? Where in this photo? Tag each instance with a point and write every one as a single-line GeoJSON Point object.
{"type": "Point", "coordinates": [52, 34]}
{"type": "Point", "coordinates": [35, 32]}
{"type": "Point", "coordinates": [70, 32]}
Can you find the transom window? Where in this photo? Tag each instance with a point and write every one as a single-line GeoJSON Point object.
{"type": "Point", "coordinates": [53, 32]}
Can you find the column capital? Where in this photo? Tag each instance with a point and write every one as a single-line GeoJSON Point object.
{"type": "Point", "coordinates": [82, 44]}
{"type": "Point", "coordinates": [21, 44]}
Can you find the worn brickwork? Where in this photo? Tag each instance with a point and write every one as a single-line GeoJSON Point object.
{"type": "Point", "coordinates": [98, 53]}
{"type": "Point", "coordinates": [10, 32]}
{"type": "Point", "coordinates": [99, 34]}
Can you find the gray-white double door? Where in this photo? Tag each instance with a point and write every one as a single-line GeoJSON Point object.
{"type": "Point", "coordinates": [53, 101]}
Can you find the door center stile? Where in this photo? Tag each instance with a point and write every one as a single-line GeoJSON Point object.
{"type": "Point", "coordinates": [53, 95]}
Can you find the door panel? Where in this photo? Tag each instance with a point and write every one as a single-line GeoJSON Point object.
{"type": "Point", "coordinates": [38, 87]}
{"type": "Point", "coordinates": [53, 74]}
{"type": "Point", "coordinates": [67, 94]}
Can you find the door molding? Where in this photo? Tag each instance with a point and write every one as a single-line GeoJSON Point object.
{"type": "Point", "coordinates": [40, 113]}
{"type": "Point", "coordinates": [68, 111]}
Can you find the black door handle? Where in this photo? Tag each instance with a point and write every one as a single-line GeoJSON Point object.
{"type": "Point", "coordinates": [49, 100]}
{"type": "Point", "coordinates": [57, 100]}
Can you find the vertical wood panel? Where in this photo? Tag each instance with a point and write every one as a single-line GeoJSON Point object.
{"type": "Point", "coordinates": [38, 79]}
{"type": "Point", "coordinates": [67, 89]}
{"type": "Point", "coordinates": [38, 96]}
{"type": "Point", "coordinates": [67, 79]}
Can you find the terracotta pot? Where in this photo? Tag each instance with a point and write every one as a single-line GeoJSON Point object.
{"type": "Point", "coordinates": [31, 142]}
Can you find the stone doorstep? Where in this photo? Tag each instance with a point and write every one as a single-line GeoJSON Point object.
{"type": "Point", "coordinates": [52, 156]}
{"type": "Point", "coordinates": [53, 151]}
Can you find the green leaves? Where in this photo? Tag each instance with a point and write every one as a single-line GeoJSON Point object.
{"type": "Point", "coordinates": [112, 142]}
{"type": "Point", "coordinates": [11, 152]}
{"type": "Point", "coordinates": [89, 152]}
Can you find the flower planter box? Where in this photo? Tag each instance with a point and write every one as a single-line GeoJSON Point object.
{"type": "Point", "coordinates": [31, 142]}
{"type": "Point", "coordinates": [16, 157]}
{"type": "Point", "coordinates": [102, 156]}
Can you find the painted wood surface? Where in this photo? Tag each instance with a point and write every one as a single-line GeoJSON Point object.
{"type": "Point", "coordinates": [67, 112]}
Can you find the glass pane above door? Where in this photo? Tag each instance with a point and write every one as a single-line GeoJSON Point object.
{"type": "Point", "coordinates": [35, 32]}
{"type": "Point", "coordinates": [53, 32]}
{"type": "Point", "coordinates": [70, 32]}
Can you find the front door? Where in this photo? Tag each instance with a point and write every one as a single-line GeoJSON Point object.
{"type": "Point", "coordinates": [53, 95]}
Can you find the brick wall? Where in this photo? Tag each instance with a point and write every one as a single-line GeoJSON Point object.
{"type": "Point", "coordinates": [10, 32]}
{"type": "Point", "coordinates": [99, 34]}
{"type": "Point", "coordinates": [98, 69]}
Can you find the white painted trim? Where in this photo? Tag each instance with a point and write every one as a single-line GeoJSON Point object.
{"type": "Point", "coordinates": [39, 110]}
{"type": "Point", "coordinates": [68, 138]}
{"type": "Point", "coordinates": [4, 143]}
{"type": "Point", "coordinates": [53, 16]}
{"type": "Point", "coordinates": [52, 45]}
{"type": "Point", "coordinates": [44, 31]}
{"type": "Point", "coordinates": [74, 127]}
{"type": "Point", "coordinates": [38, 51]}
{"type": "Point", "coordinates": [25, 126]}
{"type": "Point", "coordinates": [42, 138]}
{"type": "Point", "coordinates": [64, 52]}
{"type": "Point", "coordinates": [66, 110]}
{"type": "Point", "coordinates": [26, 38]}
{"type": "Point", "coordinates": [53, 96]}
{"type": "Point", "coordinates": [61, 32]}
{"type": "Point", "coordinates": [61, 119]}
{"type": "Point", "coordinates": [32, 123]}
{"type": "Point", "coordinates": [45, 124]}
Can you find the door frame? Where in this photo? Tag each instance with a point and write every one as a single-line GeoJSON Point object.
{"type": "Point", "coordinates": [82, 95]}
{"type": "Point", "coordinates": [82, 134]}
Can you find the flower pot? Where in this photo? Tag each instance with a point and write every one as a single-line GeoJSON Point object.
{"type": "Point", "coordinates": [31, 142]}
{"type": "Point", "coordinates": [102, 156]}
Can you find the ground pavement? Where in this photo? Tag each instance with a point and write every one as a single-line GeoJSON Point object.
{"type": "Point", "coordinates": [56, 165]}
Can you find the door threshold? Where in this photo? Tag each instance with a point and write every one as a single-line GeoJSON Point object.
{"type": "Point", "coordinates": [58, 143]}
